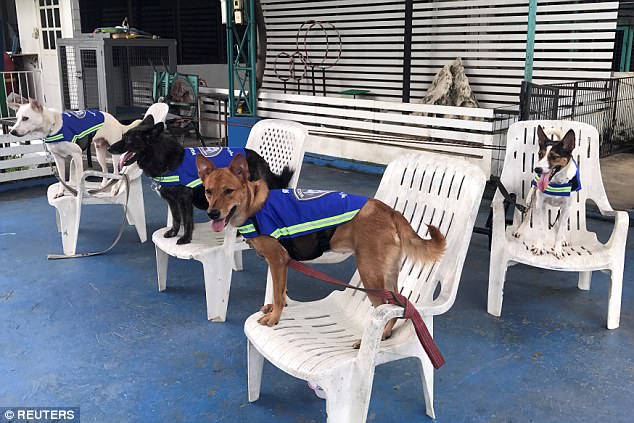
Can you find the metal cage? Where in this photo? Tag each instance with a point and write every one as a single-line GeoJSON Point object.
{"type": "Point", "coordinates": [112, 75]}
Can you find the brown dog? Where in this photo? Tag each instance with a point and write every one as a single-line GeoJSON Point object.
{"type": "Point", "coordinates": [378, 235]}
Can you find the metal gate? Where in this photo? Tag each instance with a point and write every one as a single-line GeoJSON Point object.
{"type": "Point", "coordinates": [606, 104]}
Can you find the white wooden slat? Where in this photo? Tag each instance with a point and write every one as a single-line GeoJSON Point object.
{"type": "Point", "coordinates": [22, 161]}
{"type": "Point", "coordinates": [21, 149]}
{"type": "Point", "coordinates": [25, 174]}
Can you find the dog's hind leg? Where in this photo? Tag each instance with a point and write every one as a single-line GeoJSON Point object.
{"type": "Point", "coordinates": [101, 146]}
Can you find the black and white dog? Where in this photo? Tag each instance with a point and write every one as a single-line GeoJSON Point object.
{"type": "Point", "coordinates": [557, 177]}
{"type": "Point", "coordinates": [173, 167]}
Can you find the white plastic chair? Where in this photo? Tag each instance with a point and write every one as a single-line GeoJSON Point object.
{"type": "Point", "coordinates": [584, 253]}
{"type": "Point", "coordinates": [68, 208]}
{"type": "Point", "coordinates": [280, 143]}
{"type": "Point", "coordinates": [313, 340]}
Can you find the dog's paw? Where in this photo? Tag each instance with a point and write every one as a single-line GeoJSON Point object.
{"type": "Point", "coordinates": [184, 240]}
{"type": "Point", "coordinates": [538, 250]}
{"type": "Point", "coordinates": [558, 251]}
{"type": "Point", "coordinates": [267, 308]}
{"type": "Point", "coordinates": [59, 194]}
{"type": "Point", "coordinates": [171, 233]}
{"type": "Point", "coordinates": [565, 243]}
{"type": "Point", "coordinates": [270, 319]}
{"type": "Point", "coordinates": [517, 234]}
{"type": "Point", "coordinates": [356, 345]}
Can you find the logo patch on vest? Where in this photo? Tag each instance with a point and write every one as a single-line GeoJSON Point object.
{"type": "Point", "coordinates": [209, 151]}
{"type": "Point", "coordinates": [309, 194]}
{"type": "Point", "coordinates": [79, 114]}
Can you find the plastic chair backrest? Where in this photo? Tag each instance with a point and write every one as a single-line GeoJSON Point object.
{"type": "Point", "coordinates": [280, 143]}
{"type": "Point", "coordinates": [522, 150]}
{"type": "Point", "coordinates": [439, 190]}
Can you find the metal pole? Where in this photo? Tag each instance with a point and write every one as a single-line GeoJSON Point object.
{"type": "Point", "coordinates": [530, 40]}
{"type": "Point", "coordinates": [253, 96]}
{"type": "Point", "coordinates": [229, 33]}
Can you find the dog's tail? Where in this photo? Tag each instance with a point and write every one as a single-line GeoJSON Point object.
{"type": "Point", "coordinates": [418, 249]}
{"type": "Point", "coordinates": [133, 125]}
{"type": "Point", "coordinates": [282, 180]}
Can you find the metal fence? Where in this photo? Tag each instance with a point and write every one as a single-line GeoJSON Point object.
{"type": "Point", "coordinates": [606, 104]}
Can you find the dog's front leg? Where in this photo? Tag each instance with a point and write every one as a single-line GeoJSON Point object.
{"type": "Point", "coordinates": [539, 226]}
{"type": "Point", "coordinates": [188, 222]}
{"type": "Point", "coordinates": [176, 217]}
{"type": "Point", "coordinates": [560, 230]}
{"type": "Point", "coordinates": [521, 230]}
{"type": "Point", "coordinates": [277, 258]}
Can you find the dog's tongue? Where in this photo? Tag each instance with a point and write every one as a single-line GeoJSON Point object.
{"type": "Point", "coordinates": [543, 181]}
{"type": "Point", "coordinates": [218, 225]}
{"type": "Point", "coordinates": [124, 158]}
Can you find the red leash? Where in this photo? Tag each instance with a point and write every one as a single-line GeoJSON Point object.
{"type": "Point", "coordinates": [410, 311]}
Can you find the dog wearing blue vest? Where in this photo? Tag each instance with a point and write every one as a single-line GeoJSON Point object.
{"type": "Point", "coordinates": [66, 134]}
{"type": "Point", "coordinates": [302, 224]}
{"type": "Point", "coordinates": [173, 169]}
{"type": "Point", "coordinates": [556, 178]}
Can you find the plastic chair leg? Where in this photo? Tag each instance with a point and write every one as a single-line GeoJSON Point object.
{"type": "Point", "coordinates": [162, 260]}
{"type": "Point", "coordinates": [497, 276]}
{"type": "Point", "coordinates": [69, 215]}
{"type": "Point", "coordinates": [348, 397]}
{"type": "Point", "coordinates": [584, 281]}
{"type": "Point", "coordinates": [237, 261]}
{"type": "Point", "coordinates": [217, 273]}
{"type": "Point", "coordinates": [614, 300]}
{"type": "Point", "coordinates": [136, 209]}
{"type": "Point", "coordinates": [255, 364]}
{"type": "Point", "coordinates": [427, 372]}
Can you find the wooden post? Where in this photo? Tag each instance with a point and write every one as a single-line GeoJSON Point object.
{"type": "Point", "coordinates": [530, 40]}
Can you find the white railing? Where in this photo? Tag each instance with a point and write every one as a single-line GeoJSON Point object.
{"type": "Point", "coordinates": [20, 158]}
{"type": "Point", "coordinates": [379, 131]}
{"type": "Point", "coordinates": [26, 84]}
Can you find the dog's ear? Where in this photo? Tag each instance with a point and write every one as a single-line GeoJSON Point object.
{"type": "Point", "coordinates": [542, 138]}
{"type": "Point", "coordinates": [204, 166]}
{"type": "Point", "coordinates": [148, 121]}
{"type": "Point", "coordinates": [240, 167]}
{"type": "Point", "coordinates": [36, 105]}
{"type": "Point", "coordinates": [15, 101]}
{"type": "Point", "coordinates": [568, 141]}
{"type": "Point", "coordinates": [156, 131]}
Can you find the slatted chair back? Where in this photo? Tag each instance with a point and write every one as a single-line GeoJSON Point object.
{"type": "Point", "coordinates": [280, 143]}
{"type": "Point", "coordinates": [429, 189]}
{"type": "Point", "coordinates": [522, 148]}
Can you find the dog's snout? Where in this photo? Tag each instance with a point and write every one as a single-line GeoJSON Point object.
{"type": "Point", "coordinates": [213, 214]}
{"type": "Point", "coordinates": [538, 170]}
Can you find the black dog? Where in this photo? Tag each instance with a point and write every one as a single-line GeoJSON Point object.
{"type": "Point", "coordinates": [162, 158]}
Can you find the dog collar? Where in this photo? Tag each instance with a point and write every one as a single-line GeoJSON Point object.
{"type": "Point", "coordinates": [562, 190]}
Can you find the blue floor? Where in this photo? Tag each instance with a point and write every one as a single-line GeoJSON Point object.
{"type": "Point", "coordinates": [95, 333]}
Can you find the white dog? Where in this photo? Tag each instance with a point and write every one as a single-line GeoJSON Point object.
{"type": "Point", "coordinates": [66, 134]}
{"type": "Point", "coordinates": [557, 176]}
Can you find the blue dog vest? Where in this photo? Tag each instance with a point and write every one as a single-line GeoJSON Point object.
{"type": "Point", "coordinates": [562, 190]}
{"type": "Point", "coordinates": [77, 126]}
{"type": "Point", "coordinates": [291, 213]}
{"type": "Point", "coordinates": [187, 173]}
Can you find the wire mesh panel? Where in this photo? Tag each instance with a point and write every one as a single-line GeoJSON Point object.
{"type": "Point", "coordinates": [90, 79]}
{"type": "Point", "coordinates": [605, 104]}
{"type": "Point", "coordinates": [133, 71]}
{"type": "Point", "coordinates": [113, 75]}
{"type": "Point", "coordinates": [68, 70]}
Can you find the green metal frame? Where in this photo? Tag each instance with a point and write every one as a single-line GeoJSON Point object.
{"type": "Point", "coordinates": [530, 40]}
{"type": "Point", "coordinates": [241, 58]}
{"type": "Point", "coordinates": [626, 47]}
